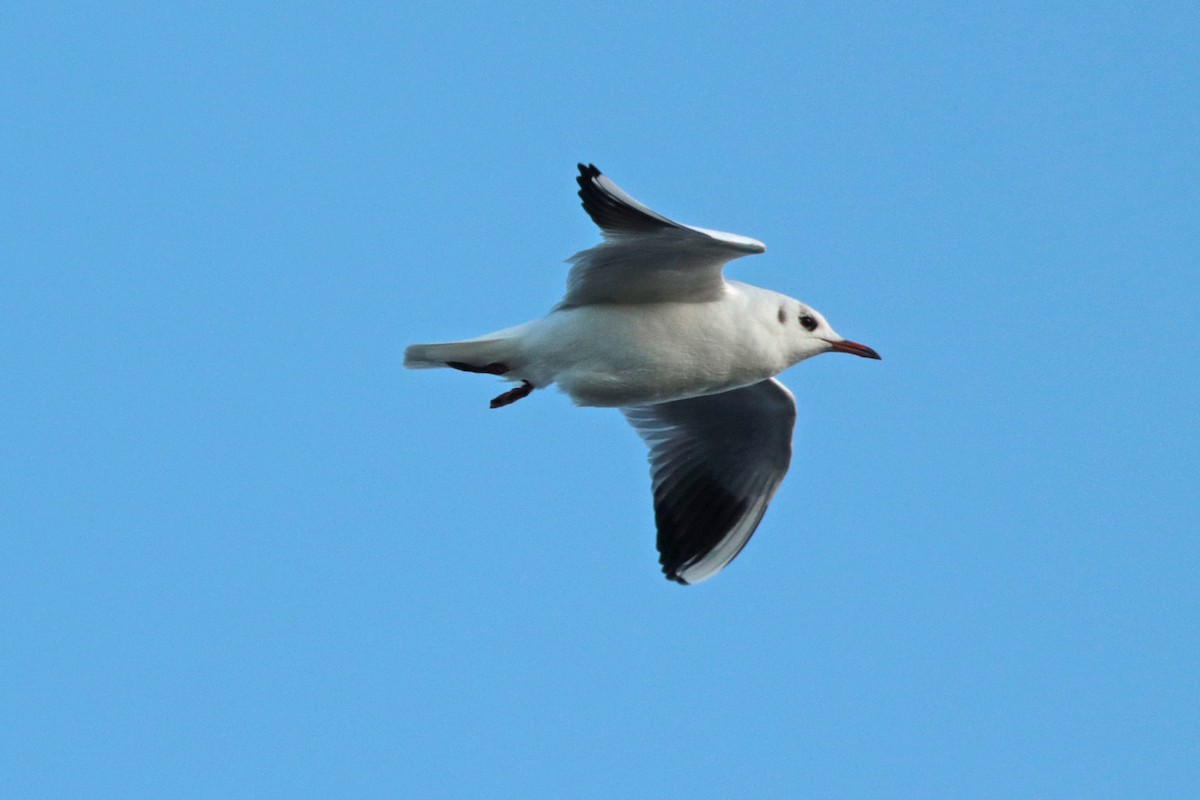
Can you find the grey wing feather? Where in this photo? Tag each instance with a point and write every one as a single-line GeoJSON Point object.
{"type": "Point", "coordinates": [645, 257]}
{"type": "Point", "coordinates": [715, 463]}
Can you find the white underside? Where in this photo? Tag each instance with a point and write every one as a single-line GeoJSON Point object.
{"type": "Point", "coordinates": [627, 355]}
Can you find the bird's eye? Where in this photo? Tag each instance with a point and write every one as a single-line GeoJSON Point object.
{"type": "Point", "coordinates": [809, 323]}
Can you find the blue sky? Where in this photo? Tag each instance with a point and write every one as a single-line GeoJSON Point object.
{"type": "Point", "coordinates": [246, 554]}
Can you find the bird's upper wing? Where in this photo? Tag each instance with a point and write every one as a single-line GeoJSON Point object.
{"type": "Point", "coordinates": [645, 257]}
{"type": "Point", "coordinates": [716, 461]}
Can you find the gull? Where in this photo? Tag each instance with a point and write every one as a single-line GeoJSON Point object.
{"type": "Point", "coordinates": [649, 325]}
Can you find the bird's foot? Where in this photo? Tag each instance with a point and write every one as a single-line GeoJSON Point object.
{"type": "Point", "coordinates": [513, 395]}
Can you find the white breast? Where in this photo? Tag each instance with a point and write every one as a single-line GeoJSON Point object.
{"type": "Point", "coordinates": [626, 355]}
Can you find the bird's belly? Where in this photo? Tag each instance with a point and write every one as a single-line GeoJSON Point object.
{"type": "Point", "coordinates": [636, 355]}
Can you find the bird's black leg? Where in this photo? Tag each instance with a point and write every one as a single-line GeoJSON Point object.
{"type": "Point", "coordinates": [513, 395]}
{"type": "Point", "coordinates": [495, 368]}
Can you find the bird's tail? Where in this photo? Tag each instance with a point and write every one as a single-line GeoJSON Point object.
{"type": "Point", "coordinates": [489, 354]}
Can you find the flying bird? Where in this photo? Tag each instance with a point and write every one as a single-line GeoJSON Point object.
{"type": "Point", "coordinates": [649, 325]}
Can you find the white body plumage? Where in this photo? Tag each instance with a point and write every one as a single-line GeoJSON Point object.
{"type": "Point", "coordinates": [650, 325]}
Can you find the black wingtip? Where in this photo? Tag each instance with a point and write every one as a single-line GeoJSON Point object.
{"type": "Point", "coordinates": [587, 173]}
{"type": "Point", "coordinates": [611, 211]}
{"type": "Point", "coordinates": [692, 524]}
{"type": "Point", "coordinates": [671, 576]}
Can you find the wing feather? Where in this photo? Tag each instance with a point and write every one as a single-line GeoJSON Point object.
{"type": "Point", "coordinates": [645, 257]}
{"type": "Point", "coordinates": [716, 461]}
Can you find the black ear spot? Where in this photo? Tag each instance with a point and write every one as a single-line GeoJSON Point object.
{"type": "Point", "coordinates": [782, 316]}
{"type": "Point", "coordinates": [809, 322]}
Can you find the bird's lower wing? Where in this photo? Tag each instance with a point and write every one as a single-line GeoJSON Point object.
{"type": "Point", "coordinates": [715, 462]}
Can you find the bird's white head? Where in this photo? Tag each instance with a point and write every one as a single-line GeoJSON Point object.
{"type": "Point", "coordinates": [809, 334]}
